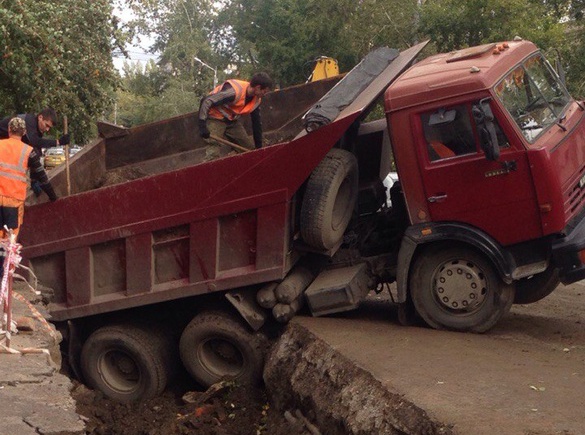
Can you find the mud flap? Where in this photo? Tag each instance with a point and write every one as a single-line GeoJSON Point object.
{"type": "Point", "coordinates": [245, 302]}
{"type": "Point", "coordinates": [74, 344]}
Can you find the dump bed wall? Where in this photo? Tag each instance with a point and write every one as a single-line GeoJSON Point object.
{"type": "Point", "coordinates": [86, 168]}
{"type": "Point", "coordinates": [213, 226]}
{"type": "Point", "coordinates": [281, 121]}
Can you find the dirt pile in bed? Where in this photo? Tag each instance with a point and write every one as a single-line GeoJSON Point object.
{"type": "Point", "coordinates": [120, 175]}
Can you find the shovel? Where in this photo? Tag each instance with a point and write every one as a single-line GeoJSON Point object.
{"type": "Point", "coordinates": [67, 174]}
{"type": "Point", "coordinates": [230, 144]}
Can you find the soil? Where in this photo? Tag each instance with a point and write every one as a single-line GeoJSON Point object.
{"type": "Point", "coordinates": [121, 175]}
{"type": "Point", "coordinates": [233, 410]}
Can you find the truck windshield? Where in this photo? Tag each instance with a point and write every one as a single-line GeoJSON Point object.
{"type": "Point", "coordinates": [533, 95]}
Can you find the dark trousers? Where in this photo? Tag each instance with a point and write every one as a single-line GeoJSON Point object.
{"type": "Point", "coordinates": [233, 131]}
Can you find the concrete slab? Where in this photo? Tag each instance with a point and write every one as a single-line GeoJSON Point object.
{"type": "Point", "coordinates": [35, 398]}
{"type": "Point", "coordinates": [527, 376]}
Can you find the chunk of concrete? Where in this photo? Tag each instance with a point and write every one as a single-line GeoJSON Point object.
{"type": "Point", "coordinates": [304, 372]}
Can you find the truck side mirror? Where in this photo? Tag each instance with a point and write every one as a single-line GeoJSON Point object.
{"type": "Point", "coordinates": [442, 117]}
{"type": "Point", "coordinates": [484, 118]}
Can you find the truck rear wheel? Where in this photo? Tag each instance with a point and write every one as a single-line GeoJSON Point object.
{"type": "Point", "coordinates": [214, 346]}
{"type": "Point", "coordinates": [329, 200]}
{"type": "Point", "coordinates": [457, 288]}
{"type": "Point", "coordinates": [126, 363]}
{"type": "Point", "coordinates": [530, 290]}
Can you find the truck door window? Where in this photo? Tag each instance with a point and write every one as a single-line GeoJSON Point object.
{"type": "Point", "coordinates": [448, 133]}
{"type": "Point", "coordinates": [533, 95]}
{"type": "Point", "coordinates": [483, 124]}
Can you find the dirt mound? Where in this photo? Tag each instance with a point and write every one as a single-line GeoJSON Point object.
{"type": "Point", "coordinates": [233, 410]}
{"type": "Point", "coordinates": [121, 175]}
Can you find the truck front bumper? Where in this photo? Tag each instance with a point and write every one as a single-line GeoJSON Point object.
{"type": "Point", "coordinates": [568, 254]}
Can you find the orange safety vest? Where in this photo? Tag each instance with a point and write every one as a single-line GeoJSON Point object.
{"type": "Point", "coordinates": [233, 111]}
{"type": "Point", "coordinates": [13, 165]}
{"type": "Point", "coordinates": [441, 149]}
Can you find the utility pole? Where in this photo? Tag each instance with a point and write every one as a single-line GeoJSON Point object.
{"type": "Point", "coordinates": [211, 68]}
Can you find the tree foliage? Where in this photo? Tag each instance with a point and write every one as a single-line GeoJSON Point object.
{"type": "Point", "coordinates": [573, 50]}
{"type": "Point", "coordinates": [57, 53]}
{"type": "Point", "coordinates": [284, 37]}
{"type": "Point", "coordinates": [453, 24]}
{"type": "Point", "coordinates": [148, 94]}
{"type": "Point", "coordinates": [182, 30]}
{"type": "Point", "coordinates": [184, 72]}
{"type": "Point", "coordinates": [550, 24]}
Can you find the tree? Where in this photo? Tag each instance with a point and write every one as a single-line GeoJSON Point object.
{"type": "Point", "coordinates": [573, 51]}
{"type": "Point", "coordinates": [182, 31]}
{"type": "Point", "coordinates": [58, 54]}
{"type": "Point", "coordinates": [550, 24]}
{"type": "Point", "coordinates": [149, 94]}
{"type": "Point", "coordinates": [284, 36]}
{"type": "Point", "coordinates": [377, 23]}
{"type": "Point", "coordinates": [452, 24]}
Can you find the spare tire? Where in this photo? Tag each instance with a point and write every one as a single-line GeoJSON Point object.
{"type": "Point", "coordinates": [329, 200]}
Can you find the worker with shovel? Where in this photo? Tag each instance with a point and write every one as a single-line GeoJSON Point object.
{"type": "Point", "coordinates": [220, 112]}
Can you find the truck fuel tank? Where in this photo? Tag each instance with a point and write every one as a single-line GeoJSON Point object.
{"type": "Point", "coordinates": [337, 290]}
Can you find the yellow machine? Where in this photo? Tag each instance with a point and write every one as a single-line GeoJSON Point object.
{"type": "Point", "coordinates": [324, 67]}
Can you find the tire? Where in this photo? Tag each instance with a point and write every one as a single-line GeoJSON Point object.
{"type": "Point", "coordinates": [457, 288]}
{"type": "Point", "coordinates": [329, 200]}
{"type": "Point", "coordinates": [530, 290]}
{"type": "Point", "coordinates": [126, 363]}
{"type": "Point", "coordinates": [215, 346]}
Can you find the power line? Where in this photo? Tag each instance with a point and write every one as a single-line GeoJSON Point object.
{"type": "Point", "coordinates": [120, 52]}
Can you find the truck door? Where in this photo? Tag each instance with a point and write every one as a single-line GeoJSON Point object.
{"type": "Point", "coordinates": [462, 185]}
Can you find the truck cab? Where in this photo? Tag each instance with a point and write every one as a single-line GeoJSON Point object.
{"type": "Point", "coordinates": [489, 150]}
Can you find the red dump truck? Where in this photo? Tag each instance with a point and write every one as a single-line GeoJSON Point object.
{"type": "Point", "coordinates": [172, 259]}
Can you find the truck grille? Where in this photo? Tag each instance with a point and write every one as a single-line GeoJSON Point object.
{"type": "Point", "coordinates": [575, 196]}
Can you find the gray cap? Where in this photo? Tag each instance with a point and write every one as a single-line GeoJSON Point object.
{"type": "Point", "coordinates": [17, 126]}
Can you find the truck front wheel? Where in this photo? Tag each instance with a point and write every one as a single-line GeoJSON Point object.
{"type": "Point", "coordinates": [126, 363]}
{"type": "Point", "coordinates": [214, 346]}
{"type": "Point", "coordinates": [457, 288]}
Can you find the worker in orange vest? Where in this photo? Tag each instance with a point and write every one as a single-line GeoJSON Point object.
{"type": "Point", "coordinates": [16, 158]}
{"type": "Point", "coordinates": [220, 111]}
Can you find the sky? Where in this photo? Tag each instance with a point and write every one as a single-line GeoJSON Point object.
{"type": "Point", "coordinates": [138, 54]}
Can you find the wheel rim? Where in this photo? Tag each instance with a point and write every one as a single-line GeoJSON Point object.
{"type": "Point", "coordinates": [460, 287]}
{"type": "Point", "coordinates": [119, 371]}
{"type": "Point", "coordinates": [221, 357]}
